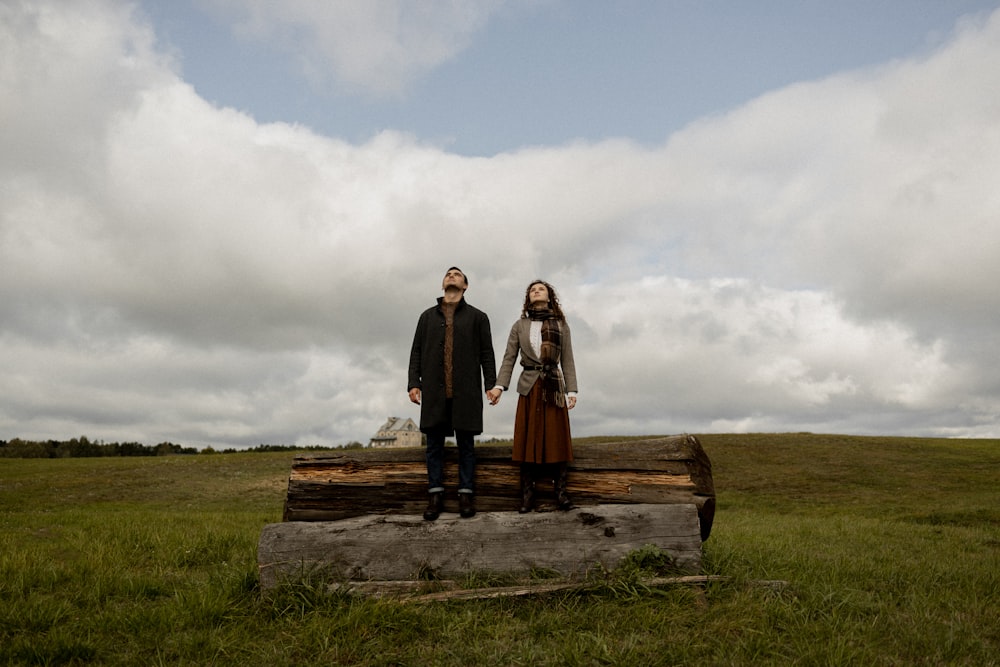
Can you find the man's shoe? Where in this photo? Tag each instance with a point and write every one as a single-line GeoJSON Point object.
{"type": "Point", "coordinates": [435, 504]}
{"type": "Point", "coordinates": [466, 505]}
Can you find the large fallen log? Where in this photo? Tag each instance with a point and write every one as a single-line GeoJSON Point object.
{"type": "Point", "coordinates": [399, 547]}
{"type": "Point", "coordinates": [341, 485]}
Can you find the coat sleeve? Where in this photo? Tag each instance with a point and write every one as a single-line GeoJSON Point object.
{"type": "Point", "coordinates": [487, 357]}
{"type": "Point", "coordinates": [509, 357]}
{"type": "Point", "coordinates": [416, 354]}
{"type": "Point", "coordinates": [566, 360]}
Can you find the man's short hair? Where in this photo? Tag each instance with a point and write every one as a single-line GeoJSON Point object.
{"type": "Point", "coordinates": [464, 277]}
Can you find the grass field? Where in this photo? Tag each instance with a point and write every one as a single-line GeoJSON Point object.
{"type": "Point", "coordinates": [890, 547]}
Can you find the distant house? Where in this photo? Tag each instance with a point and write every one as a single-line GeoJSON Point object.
{"type": "Point", "coordinates": [396, 432]}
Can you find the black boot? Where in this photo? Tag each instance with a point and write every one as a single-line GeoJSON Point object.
{"type": "Point", "coordinates": [527, 489]}
{"type": "Point", "coordinates": [435, 503]}
{"type": "Point", "coordinates": [466, 505]}
{"type": "Point", "coordinates": [559, 486]}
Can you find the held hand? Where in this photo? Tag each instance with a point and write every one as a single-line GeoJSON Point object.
{"type": "Point", "coordinates": [570, 402]}
{"type": "Point", "coordinates": [415, 395]}
{"type": "Point", "coordinates": [493, 395]}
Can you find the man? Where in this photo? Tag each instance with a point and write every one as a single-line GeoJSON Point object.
{"type": "Point", "coordinates": [451, 347]}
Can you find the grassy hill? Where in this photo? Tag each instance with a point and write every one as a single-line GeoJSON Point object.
{"type": "Point", "coordinates": [890, 547]}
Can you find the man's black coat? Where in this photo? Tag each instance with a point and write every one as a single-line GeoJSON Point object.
{"type": "Point", "coordinates": [472, 355]}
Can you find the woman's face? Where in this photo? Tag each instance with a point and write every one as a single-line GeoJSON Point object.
{"type": "Point", "coordinates": [538, 294]}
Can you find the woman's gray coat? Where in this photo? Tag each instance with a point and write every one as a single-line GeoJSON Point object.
{"type": "Point", "coordinates": [519, 339]}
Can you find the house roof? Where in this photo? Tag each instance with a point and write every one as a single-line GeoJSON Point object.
{"type": "Point", "coordinates": [398, 424]}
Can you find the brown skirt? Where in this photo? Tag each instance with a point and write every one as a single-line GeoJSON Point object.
{"type": "Point", "coordinates": [541, 430]}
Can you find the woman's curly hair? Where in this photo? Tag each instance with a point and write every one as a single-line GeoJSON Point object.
{"type": "Point", "coordinates": [553, 300]}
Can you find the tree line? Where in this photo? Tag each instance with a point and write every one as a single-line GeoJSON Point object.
{"type": "Point", "coordinates": [84, 447]}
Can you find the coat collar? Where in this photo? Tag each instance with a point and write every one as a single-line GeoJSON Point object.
{"type": "Point", "coordinates": [459, 304]}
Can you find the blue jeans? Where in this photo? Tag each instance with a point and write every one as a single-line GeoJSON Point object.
{"type": "Point", "coordinates": [466, 461]}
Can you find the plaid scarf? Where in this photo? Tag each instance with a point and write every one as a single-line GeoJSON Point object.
{"type": "Point", "coordinates": [552, 379]}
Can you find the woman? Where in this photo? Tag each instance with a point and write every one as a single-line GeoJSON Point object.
{"type": "Point", "coordinates": [547, 388]}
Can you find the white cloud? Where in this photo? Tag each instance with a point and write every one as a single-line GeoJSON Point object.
{"type": "Point", "coordinates": [701, 351]}
{"type": "Point", "coordinates": [875, 183]}
{"type": "Point", "coordinates": [378, 46]}
{"type": "Point", "coordinates": [821, 259]}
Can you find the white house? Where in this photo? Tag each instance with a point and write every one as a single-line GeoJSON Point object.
{"type": "Point", "coordinates": [396, 432]}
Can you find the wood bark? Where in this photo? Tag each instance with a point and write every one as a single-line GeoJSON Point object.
{"type": "Point", "coordinates": [401, 547]}
{"type": "Point", "coordinates": [341, 485]}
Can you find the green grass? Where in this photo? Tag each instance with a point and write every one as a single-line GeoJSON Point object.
{"type": "Point", "coordinates": [890, 547]}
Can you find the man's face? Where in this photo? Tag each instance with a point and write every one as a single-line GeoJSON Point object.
{"type": "Point", "coordinates": [454, 278]}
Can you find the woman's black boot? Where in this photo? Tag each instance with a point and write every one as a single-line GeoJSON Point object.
{"type": "Point", "coordinates": [559, 483]}
{"type": "Point", "coordinates": [527, 489]}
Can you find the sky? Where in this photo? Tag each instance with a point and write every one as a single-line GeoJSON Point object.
{"type": "Point", "coordinates": [221, 219]}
